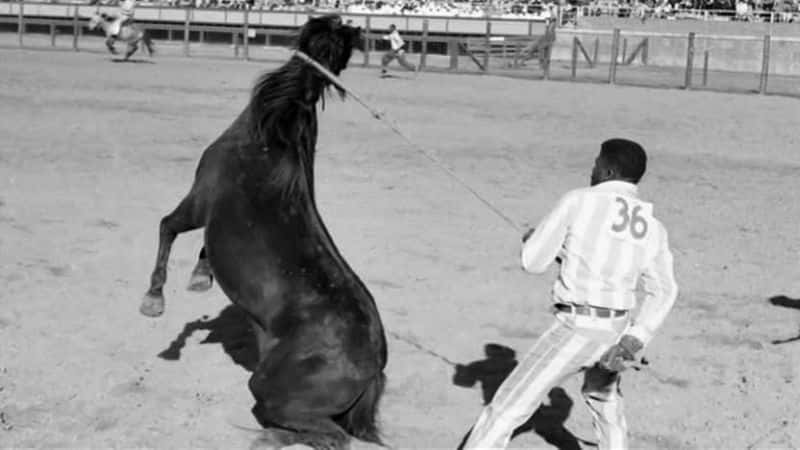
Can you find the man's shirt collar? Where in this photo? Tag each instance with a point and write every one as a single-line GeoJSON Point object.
{"type": "Point", "coordinates": [617, 186]}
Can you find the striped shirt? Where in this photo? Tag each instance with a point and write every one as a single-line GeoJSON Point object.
{"type": "Point", "coordinates": [607, 240]}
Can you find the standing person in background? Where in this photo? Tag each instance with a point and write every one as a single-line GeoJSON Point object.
{"type": "Point", "coordinates": [124, 17]}
{"type": "Point", "coordinates": [397, 51]}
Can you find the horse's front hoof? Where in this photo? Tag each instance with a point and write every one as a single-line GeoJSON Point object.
{"type": "Point", "coordinates": [152, 306]}
{"type": "Point", "coordinates": [200, 282]}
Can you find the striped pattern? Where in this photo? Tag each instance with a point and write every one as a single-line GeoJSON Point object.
{"type": "Point", "coordinates": [607, 239]}
{"type": "Point", "coordinates": [570, 345]}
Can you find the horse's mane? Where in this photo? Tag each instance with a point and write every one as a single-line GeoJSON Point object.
{"type": "Point", "coordinates": [279, 96]}
{"type": "Point", "coordinates": [282, 110]}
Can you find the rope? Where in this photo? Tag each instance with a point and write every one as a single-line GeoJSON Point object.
{"type": "Point", "coordinates": [380, 116]}
{"type": "Point", "coordinates": [420, 347]}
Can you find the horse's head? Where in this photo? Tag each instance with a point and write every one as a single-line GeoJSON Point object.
{"type": "Point", "coordinates": [329, 42]}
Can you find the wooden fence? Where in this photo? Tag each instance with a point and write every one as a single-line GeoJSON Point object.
{"type": "Point", "coordinates": [486, 59]}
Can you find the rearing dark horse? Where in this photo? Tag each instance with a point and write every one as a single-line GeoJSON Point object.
{"type": "Point", "coordinates": [322, 347]}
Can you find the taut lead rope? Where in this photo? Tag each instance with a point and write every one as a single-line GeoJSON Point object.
{"type": "Point", "coordinates": [378, 115]}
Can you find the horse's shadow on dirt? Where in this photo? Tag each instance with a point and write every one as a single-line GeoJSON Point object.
{"type": "Point", "coordinates": [785, 302]}
{"type": "Point", "coordinates": [132, 61]}
{"type": "Point", "coordinates": [547, 421]}
{"type": "Point", "coordinates": [230, 328]}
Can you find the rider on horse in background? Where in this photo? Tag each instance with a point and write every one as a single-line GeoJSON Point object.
{"type": "Point", "coordinates": [125, 17]}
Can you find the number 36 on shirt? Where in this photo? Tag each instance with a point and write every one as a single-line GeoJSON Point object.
{"type": "Point", "coordinates": [631, 219]}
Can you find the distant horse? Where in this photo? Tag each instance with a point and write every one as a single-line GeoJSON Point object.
{"type": "Point", "coordinates": [131, 34]}
{"type": "Point", "coordinates": [322, 346]}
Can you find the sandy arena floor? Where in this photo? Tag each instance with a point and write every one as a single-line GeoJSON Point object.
{"type": "Point", "coordinates": [95, 153]}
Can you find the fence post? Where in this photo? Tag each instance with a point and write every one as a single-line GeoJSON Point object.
{"type": "Point", "coordinates": [705, 68]}
{"type": "Point", "coordinates": [235, 42]}
{"type": "Point", "coordinates": [530, 28]}
{"type": "Point", "coordinates": [76, 26]}
{"type": "Point", "coordinates": [612, 67]}
{"type": "Point", "coordinates": [488, 45]}
{"type": "Point", "coordinates": [423, 57]}
{"type": "Point", "coordinates": [687, 81]}
{"type": "Point", "coordinates": [21, 22]}
{"type": "Point", "coordinates": [186, 25]}
{"type": "Point", "coordinates": [762, 89]}
{"type": "Point", "coordinates": [452, 49]}
{"type": "Point", "coordinates": [624, 49]}
{"type": "Point", "coordinates": [368, 43]}
{"type": "Point", "coordinates": [246, 33]}
{"type": "Point", "coordinates": [596, 52]}
{"type": "Point", "coordinates": [574, 61]}
{"type": "Point", "coordinates": [644, 50]}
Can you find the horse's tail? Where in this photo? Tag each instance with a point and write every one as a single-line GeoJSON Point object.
{"type": "Point", "coordinates": [360, 420]}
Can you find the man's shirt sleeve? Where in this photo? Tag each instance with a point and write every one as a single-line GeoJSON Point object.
{"type": "Point", "coordinates": [543, 245]}
{"type": "Point", "coordinates": [661, 290]}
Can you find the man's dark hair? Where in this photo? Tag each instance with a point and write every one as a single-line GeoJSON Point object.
{"type": "Point", "coordinates": [626, 157]}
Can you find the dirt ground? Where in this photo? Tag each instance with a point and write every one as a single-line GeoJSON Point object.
{"type": "Point", "coordinates": [95, 153]}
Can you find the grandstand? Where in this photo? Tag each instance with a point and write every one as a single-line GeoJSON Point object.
{"type": "Point", "coordinates": [772, 11]}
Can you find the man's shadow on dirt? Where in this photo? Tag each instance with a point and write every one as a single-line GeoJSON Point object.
{"type": "Point", "coordinates": [230, 328]}
{"type": "Point", "coordinates": [785, 302]}
{"type": "Point", "coordinates": [547, 421]}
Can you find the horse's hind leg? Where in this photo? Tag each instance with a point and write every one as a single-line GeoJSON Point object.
{"type": "Point", "coordinates": [202, 279]}
{"type": "Point", "coordinates": [132, 47]}
{"type": "Point", "coordinates": [314, 432]}
{"type": "Point", "coordinates": [303, 393]}
{"type": "Point", "coordinates": [179, 221]}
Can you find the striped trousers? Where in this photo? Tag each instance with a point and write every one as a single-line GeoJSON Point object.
{"type": "Point", "coordinates": [573, 344]}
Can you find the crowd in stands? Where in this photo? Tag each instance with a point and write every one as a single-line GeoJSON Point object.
{"type": "Point", "coordinates": [542, 10]}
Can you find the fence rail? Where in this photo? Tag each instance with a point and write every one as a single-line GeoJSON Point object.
{"type": "Point", "coordinates": [636, 58]}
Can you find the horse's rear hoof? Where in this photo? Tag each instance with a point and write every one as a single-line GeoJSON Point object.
{"type": "Point", "coordinates": [152, 306]}
{"type": "Point", "coordinates": [200, 282]}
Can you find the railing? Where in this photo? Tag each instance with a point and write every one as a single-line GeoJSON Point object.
{"type": "Point", "coordinates": [687, 61]}
{"type": "Point", "coordinates": [699, 14]}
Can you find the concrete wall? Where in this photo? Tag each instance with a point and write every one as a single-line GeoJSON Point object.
{"type": "Point", "coordinates": [731, 54]}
